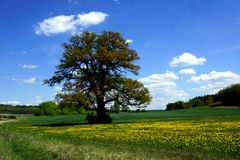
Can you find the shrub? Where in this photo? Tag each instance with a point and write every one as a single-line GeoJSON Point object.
{"type": "Point", "coordinates": [91, 117]}
{"type": "Point", "coordinates": [69, 108]}
{"type": "Point", "coordinates": [82, 111]}
{"type": "Point", "coordinates": [47, 108]}
{"type": "Point", "coordinates": [176, 105]}
{"type": "Point", "coordinates": [138, 110]}
{"type": "Point", "coordinates": [12, 117]}
{"type": "Point", "coordinates": [66, 111]}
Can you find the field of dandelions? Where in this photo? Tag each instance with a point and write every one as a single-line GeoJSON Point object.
{"type": "Point", "coordinates": [196, 136]}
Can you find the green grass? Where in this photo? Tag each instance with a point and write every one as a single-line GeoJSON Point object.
{"type": "Point", "coordinates": [199, 133]}
{"type": "Point", "coordinates": [194, 113]}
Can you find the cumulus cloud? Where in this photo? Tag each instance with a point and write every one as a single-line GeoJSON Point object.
{"type": "Point", "coordinates": [28, 66]}
{"type": "Point", "coordinates": [117, 1]}
{"type": "Point", "coordinates": [187, 71]}
{"type": "Point", "coordinates": [30, 80]}
{"type": "Point", "coordinates": [56, 25]}
{"type": "Point", "coordinates": [14, 102]}
{"type": "Point", "coordinates": [91, 18]}
{"type": "Point", "coordinates": [129, 41]}
{"type": "Point", "coordinates": [163, 89]}
{"type": "Point", "coordinates": [71, 23]}
{"type": "Point", "coordinates": [187, 59]}
{"type": "Point", "coordinates": [27, 80]}
{"type": "Point", "coordinates": [214, 81]}
{"type": "Point", "coordinates": [214, 75]}
{"type": "Point", "coordinates": [36, 101]}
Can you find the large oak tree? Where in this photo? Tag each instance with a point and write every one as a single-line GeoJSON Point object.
{"type": "Point", "coordinates": [94, 67]}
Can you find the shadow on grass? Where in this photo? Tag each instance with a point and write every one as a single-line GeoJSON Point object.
{"type": "Point", "coordinates": [62, 124]}
{"type": "Point", "coordinates": [65, 124]}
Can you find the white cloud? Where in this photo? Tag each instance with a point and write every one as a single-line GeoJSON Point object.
{"type": "Point", "coordinates": [18, 52]}
{"type": "Point", "coordinates": [15, 79]}
{"type": "Point", "coordinates": [71, 23]}
{"type": "Point", "coordinates": [73, 1]}
{"type": "Point", "coordinates": [30, 80]}
{"type": "Point", "coordinates": [212, 76]}
{"type": "Point", "coordinates": [214, 81]}
{"type": "Point", "coordinates": [56, 25]}
{"type": "Point", "coordinates": [38, 100]}
{"type": "Point", "coordinates": [187, 71]}
{"type": "Point", "coordinates": [28, 66]}
{"type": "Point", "coordinates": [91, 18]}
{"type": "Point", "coordinates": [14, 102]}
{"type": "Point", "coordinates": [163, 89]}
{"type": "Point", "coordinates": [187, 59]}
{"type": "Point", "coordinates": [129, 41]}
{"type": "Point", "coordinates": [57, 88]}
{"type": "Point", "coordinates": [117, 1]}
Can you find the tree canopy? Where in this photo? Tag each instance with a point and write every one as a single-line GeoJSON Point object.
{"type": "Point", "coordinates": [94, 69]}
{"type": "Point", "coordinates": [229, 96]}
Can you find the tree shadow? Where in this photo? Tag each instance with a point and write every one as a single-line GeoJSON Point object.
{"type": "Point", "coordinates": [62, 124]}
{"type": "Point", "coordinates": [65, 124]}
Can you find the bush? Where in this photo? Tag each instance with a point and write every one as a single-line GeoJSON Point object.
{"type": "Point", "coordinates": [66, 111]}
{"type": "Point", "coordinates": [68, 108]}
{"type": "Point", "coordinates": [176, 105]}
{"type": "Point", "coordinates": [138, 110]}
{"type": "Point", "coordinates": [12, 117]}
{"type": "Point", "coordinates": [47, 108]}
{"type": "Point", "coordinates": [82, 111]}
{"type": "Point", "coordinates": [92, 117]}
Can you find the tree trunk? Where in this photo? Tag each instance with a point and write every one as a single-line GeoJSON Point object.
{"type": "Point", "coordinates": [102, 116]}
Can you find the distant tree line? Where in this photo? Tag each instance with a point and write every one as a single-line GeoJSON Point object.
{"type": "Point", "coordinates": [64, 107]}
{"type": "Point", "coordinates": [18, 109]}
{"type": "Point", "coordinates": [229, 96]}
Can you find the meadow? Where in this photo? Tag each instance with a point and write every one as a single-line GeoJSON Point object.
{"type": "Point", "coordinates": [199, 133]}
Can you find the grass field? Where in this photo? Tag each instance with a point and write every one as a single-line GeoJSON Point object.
{"type": "Point", "coordinates": [200, 133]}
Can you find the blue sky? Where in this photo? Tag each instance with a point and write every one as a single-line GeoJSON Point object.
{"type": "Point", "coordinates": [187, 48]}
